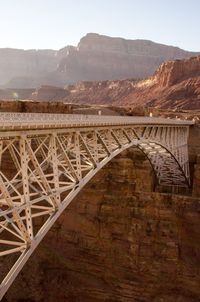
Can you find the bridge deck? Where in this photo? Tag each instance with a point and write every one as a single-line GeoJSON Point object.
{"type": "Point", "coordinates": [17, 121]}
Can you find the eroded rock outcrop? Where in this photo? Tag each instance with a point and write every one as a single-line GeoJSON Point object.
{"type": "Point", "coordinates": [171, 73]}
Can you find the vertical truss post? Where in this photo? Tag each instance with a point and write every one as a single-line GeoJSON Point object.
{"type": "Point", "coordinates": [25, 183]}
{"type": "Point", "coordinates": [77, 154]}
{"type": "Point", "coordinates": [1, 148]}
{"type": "Point", "coordinates": [54, 158]}
{"type": "Point", "coordinates": [94, 146]}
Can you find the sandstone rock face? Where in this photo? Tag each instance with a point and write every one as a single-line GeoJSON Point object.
{"type": "Point", "coordinates": [174, 85]}
{"type": "Point", "coordinates": [95, 58]}
{"type": "Point", "coordinates": [171, 73]}
{"type": "Point", "coordinates": [115, 243]}
{"type": "Point", "coordinates": [100, 57]}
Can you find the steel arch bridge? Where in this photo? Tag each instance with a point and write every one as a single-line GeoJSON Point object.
{"type": "Point", "coordinates": [46, 159]}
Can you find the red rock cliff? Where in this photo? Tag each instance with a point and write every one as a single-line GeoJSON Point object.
{"type": "Point", "coordinates": [171, 73]}
{"type": "Point", "coordinates": [175, 85]}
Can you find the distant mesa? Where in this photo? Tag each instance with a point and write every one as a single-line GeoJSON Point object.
{"type": "Point", "coordinates": [96, 58]}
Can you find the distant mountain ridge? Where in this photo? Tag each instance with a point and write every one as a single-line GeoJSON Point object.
{"type": "Point", "coordinates": [96, 57]}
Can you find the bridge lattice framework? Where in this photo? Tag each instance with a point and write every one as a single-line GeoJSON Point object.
{"type": "Point", "coordinates": [46, 159]}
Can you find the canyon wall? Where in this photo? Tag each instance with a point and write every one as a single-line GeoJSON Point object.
{"type": "Point", "coordinates": [174, 85]}
{"type": "Point", "coordinates": [96, 57]}
{"type": "Point", "coordinates": [173, 72]}
{"type": "Point", "coordinates": [118, 242]}
{"type": "Point", "coordinates": [99, 57]}
{"type": "Point", "coordinates": [26, 68]}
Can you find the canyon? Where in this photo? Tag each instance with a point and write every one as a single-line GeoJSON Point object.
{"type": "Point", "coordinates": [174, 86]}
{"type": "Point", "coordinates": [95, 58]}
{"type": "Point", "coordinates": [119, 241]}
{"type": "Point", "coordinates": [122, 239]}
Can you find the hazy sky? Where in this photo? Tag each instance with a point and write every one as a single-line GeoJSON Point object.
{"type": "Point", "coordinates": [57, 23]}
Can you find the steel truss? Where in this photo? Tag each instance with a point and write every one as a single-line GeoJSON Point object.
{"type": "Point", "coordinates": [43, 170]}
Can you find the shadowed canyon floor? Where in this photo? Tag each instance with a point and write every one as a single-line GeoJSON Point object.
{"type": "Point", "coordinates": [118, 242]}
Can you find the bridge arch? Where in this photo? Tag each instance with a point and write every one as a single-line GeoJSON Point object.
{"type": "Point", "coordinates": [51, 166]}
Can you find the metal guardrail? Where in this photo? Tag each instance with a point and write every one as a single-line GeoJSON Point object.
{"type": "Point", "coordinates": [37, 120]}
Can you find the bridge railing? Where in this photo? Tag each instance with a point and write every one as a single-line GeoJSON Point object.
{"type": "Point", "coordinates": [14, 119]}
